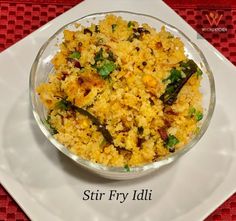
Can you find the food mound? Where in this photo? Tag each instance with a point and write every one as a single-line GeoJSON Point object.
{"type": "Point", "coordinates": [122, 94]}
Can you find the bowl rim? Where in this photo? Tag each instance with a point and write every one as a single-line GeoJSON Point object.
{"type": "Point", "coordinates": [111, 169]}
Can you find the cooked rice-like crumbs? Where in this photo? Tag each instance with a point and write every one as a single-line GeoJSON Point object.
{"type": "Point", "coordinates": [117, 71]}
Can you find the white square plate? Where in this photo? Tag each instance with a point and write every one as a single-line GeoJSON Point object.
{"type": "Point", "coordinates": [48, 186]}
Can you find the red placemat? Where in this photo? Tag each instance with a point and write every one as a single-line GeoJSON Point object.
{"type": "Point", "coordinates": [21, 17]}
{"type": "Point", "coordinates": [214, 20]}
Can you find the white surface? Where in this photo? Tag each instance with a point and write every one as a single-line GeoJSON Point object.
{"type": "Point", "coordinates": [48, 186]}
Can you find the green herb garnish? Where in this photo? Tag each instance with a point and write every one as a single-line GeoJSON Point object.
{"type": "Point", "coordinates": [113, 26]}
{"type": "Point", "coordinates": [127, 168]}
{"type": "Point", "coordinates": [99, 56]}
{"type": "Point", "coordinates": [51, 128]}
{"type": "Point", "coordinates": [171, 141]}
{"type": "Point", "coordinates": [106, 68]}
{"type": "Point", "coordinates": [130, 23]}
{"type": "Point", "coordinates": [75, 54]}
{"type": "Point", "coordinates": [188, 68]}
{"type": "Point", "coordinates": [198, 115]}
{"type": "Point", "coordinates": [191, 111]}
{"type": "Point", "coordinates": [103, 65]}
{"type": "Point", "coordinates": [199, 72]}
{"type": "Point", "coordinates": [175, 75]}
{"type": "Point", "coordinates": [111, 56]}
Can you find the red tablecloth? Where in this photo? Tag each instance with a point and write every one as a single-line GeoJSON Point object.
{"type": "Point", "coordinates": [21, 17]}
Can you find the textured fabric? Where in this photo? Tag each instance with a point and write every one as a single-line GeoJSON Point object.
{"type": "Point", "coordinates": [9, 210]}
{"type": "Point", "coordinates": [21, 17]}
{"type": "Point", "coordinates": [196, 16]}
{"type": "Point", "coordinates": [226, 212]}
{"type": "Point", "coordinates": [18, 19]}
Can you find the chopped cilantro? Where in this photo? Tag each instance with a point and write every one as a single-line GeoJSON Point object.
{"type": "Point", "coordinates": [111, 56]}
{"type": "Point", "coordinates": [99, 55]}
{"type": "Point", "coordinates": [75, 54]}
{"type": "Point", "coordinates": [130, 24]}
{"type": "Point", "coordinates": [171, 141]}
{"type": "Point", "coordinates": [199, 72]}
{"type": "Point", "coordinates": [113, 26]}
{"type": "Point", "coordinates": [103, 65]}
{"type": "Point", "coordinates": [178, 80]}
{"type": "Point", "coordinates": [52, 129]}
{"type": "Point", "coordinates": [198, 116]}
{"type": "Point", "coordinates": [126, 167]}
{"type": "Point", "coordinates": [191, 111]}
{"type": "Point", "coordinates": [175, 75]}
{"type": "Point", "coordinates": [106, 68]}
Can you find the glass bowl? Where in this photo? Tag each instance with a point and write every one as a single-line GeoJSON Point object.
{"type": "Point", "coordinates": [42, 67]}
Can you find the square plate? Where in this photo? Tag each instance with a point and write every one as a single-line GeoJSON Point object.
{"type": "Point", "coordinates": [48, 186]}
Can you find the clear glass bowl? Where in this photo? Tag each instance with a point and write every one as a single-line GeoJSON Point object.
{"type": "Point", "coordinates": [42, 67]}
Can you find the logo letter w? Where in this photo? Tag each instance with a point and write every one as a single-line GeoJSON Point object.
{"type": "Point", "coordinates": [214, 18]}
